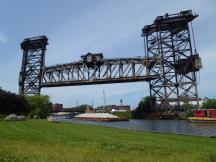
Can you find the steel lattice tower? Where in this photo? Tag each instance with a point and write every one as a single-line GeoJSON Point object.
{"type": "Point", "coordinates": [169, 39]}
{"type": "Point", "coordinates": [32, 65]}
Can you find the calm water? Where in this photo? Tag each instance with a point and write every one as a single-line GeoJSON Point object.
{"type": "Point", "coordinates": [169, 126]}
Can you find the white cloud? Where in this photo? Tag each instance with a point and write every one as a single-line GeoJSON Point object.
{"type": "Point", "coordinates": [3, 38]}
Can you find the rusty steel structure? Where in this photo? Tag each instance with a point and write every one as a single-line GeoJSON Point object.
{"type": "Point", "coordinates": [169, 38]}
{"type": "Point", "coordinates": [32, 65]}
{"type": "Point", "coordinates": [101, 71]}
{"type": "Point", "coordinates": [169, 66]}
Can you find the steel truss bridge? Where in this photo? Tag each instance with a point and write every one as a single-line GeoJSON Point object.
{"type": "Point", "coordinates": [107, 71]}
{"type": "Point", "coordinates": [169, 66]}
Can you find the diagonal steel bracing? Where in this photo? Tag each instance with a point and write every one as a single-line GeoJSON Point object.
{"type": "Point", "coordinates": [32, 65]}
{"type": "Point", "coordinates": [169, 39]}
{"type": "Point", "coordinates": [106, 71]}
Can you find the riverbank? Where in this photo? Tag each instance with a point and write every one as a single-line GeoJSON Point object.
{"type": "Point", "coordinates": [39, 140]}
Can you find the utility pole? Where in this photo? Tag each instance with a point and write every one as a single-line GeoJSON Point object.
{"type": "Point", "coordinates": [121, 102]}
{"type": "Point", "coordinates": [104, 98]}
{"type": "Point", "coordinates": [92, 104]}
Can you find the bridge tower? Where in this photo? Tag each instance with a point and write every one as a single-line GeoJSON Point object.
{"type": "Point", "coordinates": [32, 64]}
{"type": "Point", "coordinates": [169, 39]}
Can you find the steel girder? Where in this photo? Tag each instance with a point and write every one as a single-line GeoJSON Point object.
{"type": "Point", "coordinates": [106, 71]}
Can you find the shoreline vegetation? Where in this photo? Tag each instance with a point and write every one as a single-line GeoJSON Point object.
{"type": "Point", "coordinates": [40, 106]}
{"type": "Point", "coordinates": [39, 140]}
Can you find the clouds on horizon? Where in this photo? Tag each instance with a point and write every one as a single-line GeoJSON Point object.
{"type": "Point", "coordinates": [3, 38]}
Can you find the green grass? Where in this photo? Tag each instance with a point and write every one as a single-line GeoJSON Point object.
{"type": "Point", "coordinates": [41, 141]}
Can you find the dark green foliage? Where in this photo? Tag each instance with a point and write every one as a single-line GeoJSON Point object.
{"type": "Point", "coordinates": [209, 104]}
{"type": "Point", "coordinates": [40, 105]}
{"type": "Point", "coordinates": [124, 115]}
{"type": "Point", "coordinates": [82, 107]}
{"type": "Point", "coordinates": [145, 107]}
{"type": "Point", "coordinates": [11, 103]}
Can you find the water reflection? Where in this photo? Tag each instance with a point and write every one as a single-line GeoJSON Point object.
{"type": "Point", "coordinates": [170, 126]}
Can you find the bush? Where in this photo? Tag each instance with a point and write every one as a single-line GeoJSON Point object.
{"type": "Point", "coordinates": [40, 105]}
{"type": "Point", "coordinates": [11, 103]}
{"type": "Point", "coordinates": [209, 104]}
{"type": "Point", "coordinates": [145, 107]}
{"type": "Point", "coordinates": [123, 115]}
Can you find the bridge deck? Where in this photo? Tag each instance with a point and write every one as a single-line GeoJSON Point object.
{"type": "Point", "coordinates": [105, 71]}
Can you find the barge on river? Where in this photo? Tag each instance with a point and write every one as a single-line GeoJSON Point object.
{"type": "Point", "coordinates": [203, 115]}
{"type": "Point", "coordinates": [99, 117]}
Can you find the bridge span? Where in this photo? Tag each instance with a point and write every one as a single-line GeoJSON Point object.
{"type": "Point", "coordinates": [95, 69]}
{"type": "Point", "coordinates": [170, 63]}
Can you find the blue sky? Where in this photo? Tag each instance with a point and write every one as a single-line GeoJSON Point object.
{"type": "Point", "coordinates": [75, 27]}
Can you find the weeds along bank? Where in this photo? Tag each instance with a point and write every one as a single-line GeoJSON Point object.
{"type": "Point", "coordinates": [39, 140]}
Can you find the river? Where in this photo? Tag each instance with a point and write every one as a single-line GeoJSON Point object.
{"type": "Point", "coordinates": [168, 126]}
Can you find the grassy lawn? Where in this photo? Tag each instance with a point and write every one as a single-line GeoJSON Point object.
{"type": "Point", "coordinates": [40, 141]}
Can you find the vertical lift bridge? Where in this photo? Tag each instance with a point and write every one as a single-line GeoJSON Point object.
{"type": "Point", "coordinates": [170, 64]}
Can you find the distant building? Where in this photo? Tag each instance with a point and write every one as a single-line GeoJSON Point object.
{"type": "Point", "coordinates": [121, 108]}
{"type": "Point", "coordinates": [113, 108]}
{"type": "Point", "coordinates": [192, 102]}
{"type": "Point", "coordinates": [57, 107]}
{"type": "Point", "coordinates": [201, 100]}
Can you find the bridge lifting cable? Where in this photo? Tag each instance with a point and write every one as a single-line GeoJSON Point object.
{"type": "Point", "coordinates": [195, 50]}
{"type": "Point", "coordinates": [193, 37]}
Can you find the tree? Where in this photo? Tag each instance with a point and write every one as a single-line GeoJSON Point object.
{"type": "Point", "coordinates": [209, 104]}
{"type": "Point", "coordinates": [83, 107]}
{"type": "Point", "coordinates": [145, 106]}
{"type": "Point", "coordinates": [11, 103]}
{"type": "Point", "coordinates": [40, 105]}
